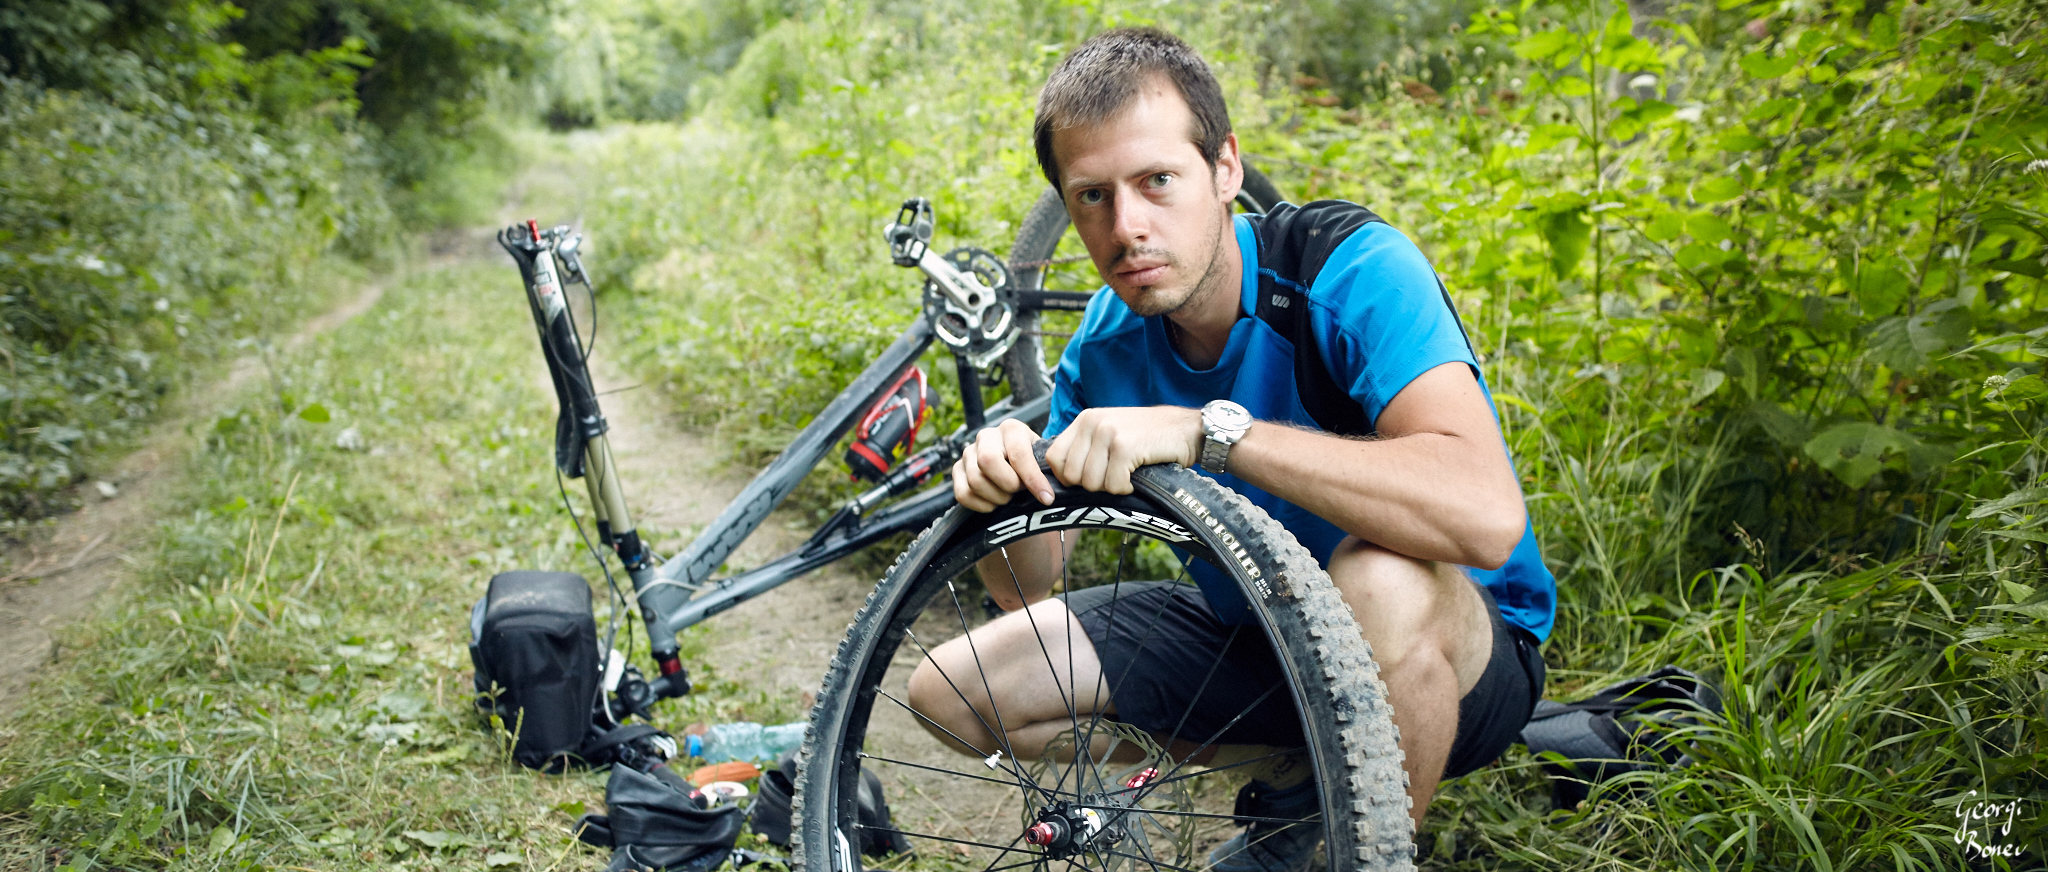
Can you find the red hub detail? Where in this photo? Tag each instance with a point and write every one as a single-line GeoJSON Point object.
{"type": "Point", "coordinates": [1141, 779]}
{"type": "Point", "coordinates": [1042, 834]}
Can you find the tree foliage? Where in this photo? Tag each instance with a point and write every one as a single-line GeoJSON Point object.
{"type": "Point", "coordinates": [170, 171]}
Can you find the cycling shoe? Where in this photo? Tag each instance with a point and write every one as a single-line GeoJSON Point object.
{"type": "Point", "coordinates": [1267, 845]}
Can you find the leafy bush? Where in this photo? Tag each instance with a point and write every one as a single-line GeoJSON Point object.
{"type": "Point", "coordinates": [1763, 313]}
{"type": "Point", "coordinates": [165, 190]}
{"type": "Point", "coordinates": [146, 222]}
{"type": "Point", "coordinates": [426, 73]}
{"type": "Point", "coordinates": [646, 59]}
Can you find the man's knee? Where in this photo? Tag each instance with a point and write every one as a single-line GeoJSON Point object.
{"type": "Point", "coordinates": [1414, 613]}
{"type": "Point", "coordinates": [940, 697]}
{"type": "Point", "coordinates": [1372, 569]}
{"type": "Point", "coordinates": [928, 692]}
{"type": "Point", "coordinates": [1389, 591]}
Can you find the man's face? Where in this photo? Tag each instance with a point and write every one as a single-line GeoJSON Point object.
{"type": "Point", "coordinates": [1151, 211]}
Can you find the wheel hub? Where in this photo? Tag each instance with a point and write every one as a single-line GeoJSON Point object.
{"type": "Point", "coordinates": [1065, 828]}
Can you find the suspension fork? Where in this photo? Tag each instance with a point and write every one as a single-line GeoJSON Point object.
{"type": "Point", "coordinates": [581, 430]}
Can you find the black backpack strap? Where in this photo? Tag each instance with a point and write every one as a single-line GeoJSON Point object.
{"type": "Point", "coordinates": [1294, 243]}
{"type": "Point", "coordinates": [597, 742]}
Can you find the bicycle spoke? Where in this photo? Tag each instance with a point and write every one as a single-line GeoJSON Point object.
{"type": "Point", "coordinates": [1084, 746]}
{"type": "Point", "coordinates": [1023, 780]}
{"type": "Point", "coordinates": [910, 835]}
{"type": "Point", "coordinates": [1006, 852]}
{"type": "Point", "coordinates": [1208, 866]}
{"type": "Point", "coordinates": [1196, 698]}
{"type": "Point", "coordinates": [1115, 592]}
{"type": "Point", "coordinates": [1002, 732]}
{"type": "Point", "coordinates": [1147, 860]}
{"type": "Point", "coordinates": [1154, 863]}
{"type": "Point", "coordinates": [1198, 814]}
{"type": "Point", "coordinates": [1031, 862]}
{"type": "Point", "coordinates": [1150, 626]}
{"type": "Point", "coordinates": [1001, 738]}
{"type": "Point", "coordinates": [1039, 636]}
{"type": "Point", "coordinates": [1162, 782]}
{"type": "Point", "coordinates": [1212, 739]}
{"type": "Point", "coordinates": [866, 756]}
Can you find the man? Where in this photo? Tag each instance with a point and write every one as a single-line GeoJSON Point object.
{"type": "Point", "coordinates": [1133, 133]}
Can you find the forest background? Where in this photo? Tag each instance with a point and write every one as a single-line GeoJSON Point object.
{"type": "Point", "coordinates": [1757, 286]}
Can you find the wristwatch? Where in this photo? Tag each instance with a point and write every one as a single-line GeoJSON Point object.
{"type": "Point", "coordinates": [1223, 423]}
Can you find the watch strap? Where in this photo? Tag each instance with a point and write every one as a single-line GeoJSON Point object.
{"type": "Point", "coordinates": [1215, 454]}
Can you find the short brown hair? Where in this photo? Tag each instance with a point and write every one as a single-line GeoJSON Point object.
{"type": "Point", "coordinates": [1098, 79]}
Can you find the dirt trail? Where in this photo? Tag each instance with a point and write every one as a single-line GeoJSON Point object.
{"type": "Point", "coordinates": [53, 575]}
{"type": "Point", "coordinates": [676, 484]}
{"type": "Point", "coordinates": [782, 639]}
{"type": "Point", "coordinates": [56, 573]}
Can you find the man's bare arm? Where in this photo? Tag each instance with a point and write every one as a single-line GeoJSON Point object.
{"type": "Point", "coordinates": [1436, 486]}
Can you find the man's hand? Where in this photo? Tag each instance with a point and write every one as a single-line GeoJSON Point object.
{"type": "Point", "coordinates": [1098, 452]}
{"type": "Point", "coordinates": [1101, 449]}
{"type": "Point", "coordinates": [998, 464]}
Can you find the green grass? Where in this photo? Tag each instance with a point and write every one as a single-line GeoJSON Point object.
{"type": "Point", "coordinates": [1875, 617]}
{"type": "Point", "coordinates": [288, 684]}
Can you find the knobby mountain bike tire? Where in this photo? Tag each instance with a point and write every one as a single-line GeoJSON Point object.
{"type": "Point", "coordinates": [973, 814]}
{"type": "Point", "coordinates": [1037, 244]}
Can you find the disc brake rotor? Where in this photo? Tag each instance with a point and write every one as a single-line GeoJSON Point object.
{"type": "Point", "coordinates": [1123, 816]}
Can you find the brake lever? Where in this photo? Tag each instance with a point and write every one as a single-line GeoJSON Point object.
{"type": "Point", "coordinates": [572, 264]}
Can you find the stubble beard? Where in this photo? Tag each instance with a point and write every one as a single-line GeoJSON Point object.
{"type": "Point", "coordinates": [1149, 302]}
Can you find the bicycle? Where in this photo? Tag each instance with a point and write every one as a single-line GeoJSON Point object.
{"type": "Point", "coordinates": [985, 311]}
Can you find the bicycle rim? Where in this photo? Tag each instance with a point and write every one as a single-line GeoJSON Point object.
{"type": "Point", "coordinates": [973, 813]}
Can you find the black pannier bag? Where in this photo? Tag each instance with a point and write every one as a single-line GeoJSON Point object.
{"type": "Point", "coordinates": [659, 824]}
{"type": "Point", "coordinates": [1624, 727]}
{"type": "Point", "coordinates": [533, 640]}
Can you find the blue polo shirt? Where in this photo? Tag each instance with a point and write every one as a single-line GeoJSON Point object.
{"type": "Point", "coordinates": [1380, 319]}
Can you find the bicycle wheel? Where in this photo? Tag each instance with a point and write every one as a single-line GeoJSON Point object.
{"type": "Point", "coordinates": [1037, 249]}
{"type": "Point", "coordinates": [1156, 808]}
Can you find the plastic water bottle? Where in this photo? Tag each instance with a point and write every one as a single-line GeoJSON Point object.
{"type": "Point", "coordinates": [746, 741]}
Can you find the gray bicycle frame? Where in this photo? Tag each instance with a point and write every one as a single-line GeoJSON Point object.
{"type": "Point", "coordinates": [680, 592]}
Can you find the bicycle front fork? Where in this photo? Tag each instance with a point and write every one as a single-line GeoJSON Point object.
{"type": "Point", "coordinates": [582, 449]}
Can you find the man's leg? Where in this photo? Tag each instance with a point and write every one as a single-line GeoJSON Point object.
{"type": "Point", "coordinates": [1034, 659]}
{"type": "Point", "coordinates": [1431, 634]}
{"type": "Point", "coordinates": [1159, 642]}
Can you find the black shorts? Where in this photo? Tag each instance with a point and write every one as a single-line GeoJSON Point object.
{"type": "Point", "coordinates": [1159, 644]}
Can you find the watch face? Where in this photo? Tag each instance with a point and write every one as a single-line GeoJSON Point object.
{"type": "Point", "coordinates": [1226, 415]}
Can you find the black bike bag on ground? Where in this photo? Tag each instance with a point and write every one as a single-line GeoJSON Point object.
{"type": "Point", "coordinates": [651, 824]}
{"type": "Point", "coordinates": [770, 812]}
{"type": "Point", "coordinates": [1625, 727]}
{"type": "Point", "coordinates": [533, 640]}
